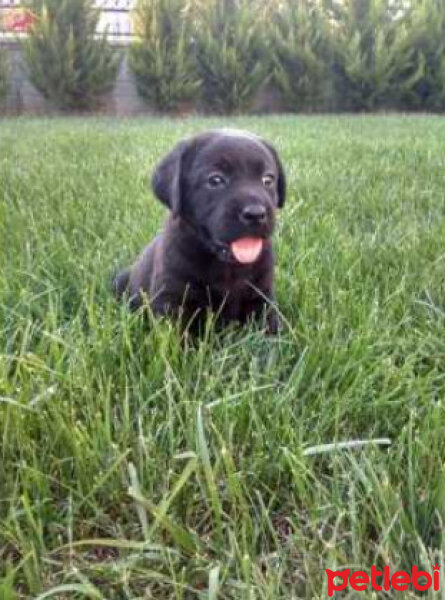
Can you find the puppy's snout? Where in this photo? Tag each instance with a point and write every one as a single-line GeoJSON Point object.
{"type": "Point", "coordinates": [253, 214]}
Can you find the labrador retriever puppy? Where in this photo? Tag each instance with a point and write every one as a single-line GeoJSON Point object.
{"type": "Point", "coordinates": [215, 252]}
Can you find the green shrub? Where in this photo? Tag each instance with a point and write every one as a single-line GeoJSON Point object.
{"type": "Point", "coordinates": [319, 54]}
{"type": "Point", "coordinates": [4, 75]}
{"type": "Point", "coordinates": [428, 26]}
{"type": "Point", "coordinates": [67, 62]}
{"type": "Point", "coordinates": [300, 42]}
{"type": "Point", "coordinates": [161, 59]}
{"type": "Point", "coordinates": [375, 63]}
{"type": "Point", "coordinates": [230, 53]}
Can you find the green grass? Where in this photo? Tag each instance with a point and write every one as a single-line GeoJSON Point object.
{"type": "Point", "coordinates": [131, 467]}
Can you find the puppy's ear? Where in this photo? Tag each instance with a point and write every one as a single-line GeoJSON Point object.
{"type": "Point", "coordinates": [281, 183]}
{"type": "Point", "coordinates": [167, 181]}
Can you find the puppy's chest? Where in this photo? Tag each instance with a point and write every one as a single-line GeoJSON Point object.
{"type": "Point", "coordinates": [239, 288]}
{"type": "Point", "coordinates": [229, 296]}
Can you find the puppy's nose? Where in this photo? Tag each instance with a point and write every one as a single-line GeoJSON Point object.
{"type": "Point", "coordinates": [253, 214]}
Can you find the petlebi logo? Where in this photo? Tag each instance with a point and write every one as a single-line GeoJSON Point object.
{"type": "Point", "coordinates": [398, 581]}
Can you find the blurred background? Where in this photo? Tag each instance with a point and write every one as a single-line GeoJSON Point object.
{"type": "Point", "coordinates": [178, 57]}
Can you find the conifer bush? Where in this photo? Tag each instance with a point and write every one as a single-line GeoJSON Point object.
{"type": "Point", "coordinates": [68, 61]}
{"type": "Point", "coordinates": [230, 52]}
{"type": "Point", "coordinates": [375, 63]}
{"type": "Point", "coordinates": [428, 31]}
{"type": "Point", "coordinates": [161, 58]}
{"type": "Point", "coordinates": [358, 55]}
{"type": "Point", "coordinates": [300, 46]}
{"type": "Point", "coordinates": [4, 75]}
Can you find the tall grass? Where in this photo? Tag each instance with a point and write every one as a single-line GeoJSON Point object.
{"type": "Point", "coordinates": [134, 467]}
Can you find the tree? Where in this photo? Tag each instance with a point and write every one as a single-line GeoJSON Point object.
{"type": "Point", "coordinates": [300, 46]}
{"type": "Point", "coordinates": [161, 59]}
{"type": "Point", "coordinates": [230, 53]}
{"type": "Point", "coordinates": [67, 60]}
{"type": "Point", "coordinates": [4, 75]}
{"type": "Point", "coordinates": [428, 26]}
{"type": "Point", "coordinates": [375, 63]}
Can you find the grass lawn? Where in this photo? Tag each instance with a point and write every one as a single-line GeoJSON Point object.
{"type": "Point", "coordinates": [132, 468]}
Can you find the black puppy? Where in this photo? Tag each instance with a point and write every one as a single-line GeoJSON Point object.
{"type": "Point", "coordinates": [215, 252]}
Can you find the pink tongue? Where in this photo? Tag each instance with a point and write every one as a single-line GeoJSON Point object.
{"type": "Point", "coordinates": [247, 250]}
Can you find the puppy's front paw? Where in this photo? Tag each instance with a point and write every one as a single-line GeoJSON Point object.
{"type": "Point", "coordinates": [120, 283]}
{"type": "Point", "coordinates": [273, 323]}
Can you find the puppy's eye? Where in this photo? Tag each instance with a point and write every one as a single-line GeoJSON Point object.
{"type": "Point", "coordinates": [268, 180]}
{"type": "Point", "coordinates": [216, 181]}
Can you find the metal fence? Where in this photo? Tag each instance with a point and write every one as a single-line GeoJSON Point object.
{"type": "Point", "coordinates": [115, 18]}
{"type": "Point", "coordinates": [23, 98]}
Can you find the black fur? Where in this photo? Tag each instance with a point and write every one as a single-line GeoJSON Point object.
{"type": "Point", "coordinates": [188, 268]}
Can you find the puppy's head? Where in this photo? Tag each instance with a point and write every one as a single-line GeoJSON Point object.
{"type": "Point", "coordinates": [228, 185]}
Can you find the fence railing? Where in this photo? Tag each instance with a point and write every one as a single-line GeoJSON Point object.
{"type": "Point", "coordinates": [115, 18]}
